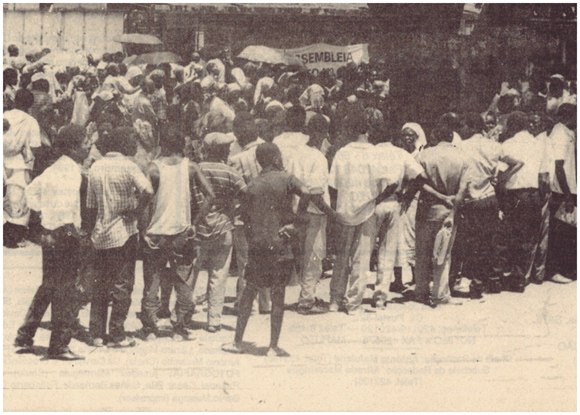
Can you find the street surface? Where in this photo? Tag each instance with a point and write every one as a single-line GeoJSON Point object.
{"type": "Point", "coordinates": [507, 352]}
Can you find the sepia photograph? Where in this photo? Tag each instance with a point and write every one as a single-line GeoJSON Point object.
{"type": "Point", "coordinates": [251, 207]}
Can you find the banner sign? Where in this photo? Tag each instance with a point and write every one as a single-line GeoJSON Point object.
{"type": "Point", "coordinates": [322, 56]}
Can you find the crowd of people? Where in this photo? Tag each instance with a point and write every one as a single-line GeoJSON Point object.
{"type": "Point", "coordinates": [294, 174]}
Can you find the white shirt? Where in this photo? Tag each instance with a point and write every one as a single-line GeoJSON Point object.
{"type": "Point", "coordinates": [353, 177]}
{"type": "Point", "coordinates": [564, 142]}
{"type": "Point", "coordinates": [524, 147]}
{"type": "Point", "coordinates": [549, 164]}
{"type": "Point", "coordinates": [393, 165]}
{"type": "Point", "coordinates": [56, 194]}
{"type": "Point", "coordinates": [23, 135]}
{"type": "Point", "coordinates": [484, 157]}
{"type": "Point", "coordinates": [306, 163]}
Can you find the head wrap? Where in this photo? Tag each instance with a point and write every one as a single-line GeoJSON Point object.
{"type": "Point", "coordinates": [422, 139]}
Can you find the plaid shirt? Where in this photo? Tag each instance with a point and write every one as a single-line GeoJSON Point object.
{"type": "Point", "coordinates": [113, 184]}
{"type": "Point", "coordinates": [245, 161]}
{"type": "Point", "coordinates": [227, 184]}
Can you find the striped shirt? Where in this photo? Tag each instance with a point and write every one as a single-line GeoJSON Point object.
{"type": "Point", "coordinates": [114, 182]}
{"type": "Point", "coordinates": [245, 161]}
{"type": "Point", "coordinates": [227, 185]}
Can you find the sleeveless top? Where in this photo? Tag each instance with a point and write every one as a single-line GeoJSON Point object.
{"type": "Point", "coordinates": [172, 213]}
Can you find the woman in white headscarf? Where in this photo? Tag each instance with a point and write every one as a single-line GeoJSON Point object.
{"type": "Point", "coordinates": [414, 140]}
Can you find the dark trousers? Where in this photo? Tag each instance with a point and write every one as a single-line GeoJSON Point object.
{"type": "Point", "coordinates": [519, 234]}
{"type": "Point", "coordinates": [562, 242]}
{"type": "Point", "coordinates": [59, 274]}
{"type": "Point", "coordinates": [115, 277]}
{"type": "Point", "coordinates": [474, 251]}
{"type": "Point", "coordinates": [179, 276]}
{"type": "Point", "coordinates": [537, 272]}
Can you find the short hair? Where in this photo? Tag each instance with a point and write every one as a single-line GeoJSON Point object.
{"type": "Point", "coordinates": [318, 124]}
{"type": "Point", "coordinates": [120, 140]}
{"type": "Point", "coordinates": [122, 69]}
{"type": "Point", "coordinates": [267, 154]}
{"type": "Point", "coordinates": [41, 85]}
{"type": "Point", "coordinates": [356, 121]}
{"type": "Point", "coordinates": [517, 121]}
{"type": "Point", "coordinates": [474, 122]}
{"type": "Point", "coordinates": [23, 100]}
{"type": "Point", "coordinates": [13, 50]}
{"type": "Point", "coordinates": [443, 132]}
{"type": "Point", "coordinates": [450, 119]}
{"type": "Point", "coordinates": [567, 112]}
{"type": "Point", "coordinates": [147, 86]}
{"type": "Point", "coordinates": [10, 76]}
{"type": "Point", "coordinates": [172, 140]}
{"type": "Point", "coordinates": [112, 70]}
{"type": "Point", "coordinates": [69, 138]}
{"type": "Point", "coordinates": [295, 118]}
{"type": "Point", "coordinates": [106, 57]}
{"type": "Point", "coordinates": [507, 103]}
{"type": "Point", "coordinates": [245, 128]}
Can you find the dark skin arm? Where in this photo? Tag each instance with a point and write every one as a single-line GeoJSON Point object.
{"type": "Point", "coordinates": [561, 177]}
{"type": "Point", "coordinates": [414, 186]}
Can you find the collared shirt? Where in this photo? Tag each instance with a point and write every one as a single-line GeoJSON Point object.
{"type": "Point", "coordinates": [352, 176]}
{"type": "Point", "coordinates": [483, 155]}
{"type": "Point", "coordinates": [113, 182]}
{"type": "Point", "coordinates": [245, 162]}
{"type": "Point", "coordinates": [524, 147]}
{"type": "Point", "coordinates": [548, 161]}
{"type": "Point", "coordinates": [306, 163]}
{"type": "Point", "coordinates": [445, 166]}
{"type": "Point", "coordinates": [23, 135]}
{"type": "Point", "coordinates": [159, 103]}
{"type": "Point", "coordinates": [227, 185]}
{"type": "Point", "coordinates": [267, 206]}
{"type": "Point", "coordinates": [564, 142]}
{"type": "Point", "coordinates": [56, 194]}
{"type": "Point", "coordinates": [393, 165]}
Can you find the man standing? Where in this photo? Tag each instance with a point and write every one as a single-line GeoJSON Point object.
{"type": "Point", "coordinates": [562, 247]}
{"type": "Point", "coordinates": [445, 167]}
{"type": "Point", "coordinates": [353, 178]}
{"type": "Point", "coordinates": [215, 230]}
{"type": "Point", "coordinates": [170, 233]}
{"type": "Point", "coordinates": [56, 195]}
{"type": "Point", "coordinates": [394, 169]}
{"type": "Point", "coordinates": [270, 224]}
{"type": "Point", "coordinates": [309, 166]}
{"type": "Point", "coordinates": [20, 142]}
{"type": "Point", "coordinates": [247, 165]}
{"type": "Point", "coordinates": [480, 213]}
{"type": "Point", "coordinates": [114, 182]}
{"type": "Point", "coordinates": [520, 203]}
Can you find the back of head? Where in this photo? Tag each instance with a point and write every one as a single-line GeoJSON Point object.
{"type": "Point", "coordinates": [10, 76]}
{"type": "Point", "coordinates": [295, 118]}
{"type": "Point", "coordinates": [41, 85]}
{"type": "Point", "coordinates": [13, 51]}
{"type": "Point", "coordinates": [507, 104]}
{"type": "Point", "coordinates": [567, 114]}
{"type": "Point", "coordinates": [245, 128]}
{"type": "Point", "coordinates": [122, 69]}
{"type": "Point", "coordinates": [172, 141]}
{"type": "Point", "coordinates": [516, 122]}
{"type": "Point", "coordinates": [355, 122]}
{"type": "Point", "coordinates": [268, 155]}
{"type": "Point", "coordinates": [442, 133]}
{"type": "Point", "coordinates": [23, 100]}
{"type": "Point", "coordinates": [556, 87]}
{"type": "Point", "coordinates": [147, 86]}
{"type": "Point", "coordinates": [120, 140]}
{"type": "Point", "coordinates": [69, 138]}
{"type": "Point", "coordinates": [451, 120]}
{"type": "Point", "coordinates": [474, 123]}
{"type": "Point", "coordinates": [318, 125]}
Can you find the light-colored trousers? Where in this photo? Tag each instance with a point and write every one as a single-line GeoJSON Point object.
{"type": "Point", "coordinates": [350, 275]}
{"type": "Point", "coordinates": [215, 256]}
{"type": "Point", "coordinates": [389, 222]}
{"type": "Point", "coordinates": [241, 246]}
{"type": "Point", "coordinates": [313, 251]}
{"type": "Point", "coordinates": [426, 270]}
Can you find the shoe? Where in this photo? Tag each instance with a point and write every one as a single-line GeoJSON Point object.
{"type": "Point", "coordinates": [23, 348]}
{"type": "Point", "coordinates": [380, 305]}
{"type": "Point", "coordinates": [127, 342]}
{"type": "Point", "coordinates": [397, 287]}
{"type": "Point", "coordinates": [537, 281]}
{"type": "Point", "coordinates": [475, 294]}
{"type": "Point", "coordinates": [333, 307]}
{"type": "Point", "coordinates": [66, 356]}
{"type": "Point", "coordinates": [560, 279]}
{"type": "Point", "coordinates": [462, 285]}
{"type": "Point", "coordinates": [97, 342]}
{"type": "Point", "coordinates": [308, 311]}
{"type": "Point", "coordinates": [151, 337]}
{"type": "Point", "coordinates": [265, 312]}
{"type": "Point", "coordinates": [213, 329]}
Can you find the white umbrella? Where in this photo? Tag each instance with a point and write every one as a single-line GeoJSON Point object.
{"type": "Point", "coordinates": [269, 55]}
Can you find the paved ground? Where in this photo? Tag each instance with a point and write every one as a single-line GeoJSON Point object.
{"type": "Point", "coordinates": [506, 352]}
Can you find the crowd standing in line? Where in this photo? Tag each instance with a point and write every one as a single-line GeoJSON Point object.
{"type": "Point", "coordinates": [292, 173]}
